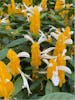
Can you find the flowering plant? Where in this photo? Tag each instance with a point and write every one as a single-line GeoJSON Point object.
{"type": "Point", "coordinates": [36, 49]}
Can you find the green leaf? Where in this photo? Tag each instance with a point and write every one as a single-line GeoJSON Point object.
{"type": "Point", "coordinates": [71, 76]}
{"type": "Point", "coordinates": [16, 42]}
{"type": "Point", "coordinates": [3, 53]}
{"type": "Point", "coordinates": [18, 86]}
{"type": "Point", "coordinates": [50, 88]}
{"type": "Point", "coordinates": [35, 84]}
{"type": "Point", "coordinates": [58, 96]}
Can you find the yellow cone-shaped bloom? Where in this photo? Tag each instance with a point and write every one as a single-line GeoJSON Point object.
{"type": "Point", "coordinates": [60, 45]}
{"type": "Point", "coordinates": [35, 21]}
{"type": "Point", "coordinates": [6, 89]}
{"type": "Point", "coordinates": [51, 69]}
{"type": "Point", "coordinates": [67, 32]}
{"type": "Point", "coordinates": [14, 63]}
{"type": "Point", "coordinates": [13, 6]}
{"type": "Point", "coordinates": [61, 62]}
{"type": "Point", "coordinates": [59, 4]}
{"type": "Point", "coordinates": [4, 74]}
{"type": "Point", "coordinates": [35, 51]}
{"type": "Point", "coordinates": [43, 4]}
{"type": "Point", "coordinates": [9, 9]}
{"type": "Point", "coordinates": [28, 2]}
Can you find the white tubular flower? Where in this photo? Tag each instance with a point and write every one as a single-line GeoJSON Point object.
{"type": "Point", "coordinates": [3, 20]}
{"type": "Point", "coordinates": [48, 50]}
{"type": "Point", "coordinates": [54, 35]}
{"type": "Point", "coordinates": [42, 38]}
{"type": "Point", "coordinates": [55, 78]}
{"type": "Point", "coordinates": [30, 10]}
{"type": "Point", "coordinates": [25, 82]}
{"type": "Point", "coordinates": [29, 38]}
{"type": "Point", "coordinates": [69, 41]}
{"type": "Point", "coordinates": [64, 68]}
{"type": "Point", "coordinates": [64, 52]}
{"type": "Point", "coordinates": [23, 54]}
{"type": "Point", "coordinates": [68, 58]}
{"type": "Point", "coordinates": [55, 75]}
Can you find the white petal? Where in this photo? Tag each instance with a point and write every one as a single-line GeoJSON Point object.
{"type": "Point", "coordinates": [48, 50]}
{"type": "Point", "coordinates": [69, 41]}
{"type": "Point", "coordinates": [39, 8]}
{"type": "Point", "coordinates": [29, 38]}
{"type": "Point", "coordinates": [46, 61]}
{"type": "Point", "coordinates": [72, 32]}
{"type": "Point", "coordinates": [46, 56]}
{"type": "Point", "coordinates": [64, 51]}
{"type": "Point", "coordinates": [63, 29]}
{"type": "Point", "coordinates": [54, 35]}
{"type": "Point", "coordinates": [42, 37]}
{"type": "Point", "coordinates": [52, 28]}
{"type": "Point", "coordinates": [55, 79]}
{"type": "Point", "coordinates": [25, 82]}
{"type": "Point", "coordinates": [50, 65]}
{"type": "Point", "coordinates": [68, 58]}
{"type": "Point", "coordinates": [64, 68]}
{"type": "Point", "coordinates": [23, 54]}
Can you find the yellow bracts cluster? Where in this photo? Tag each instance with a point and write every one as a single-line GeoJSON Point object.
{"type": "Point", "coordinates": [14, 63]}
{"type": "Point", "coordinates": [51, 69]}
{"type": "Point", "coordinates": [6, 86]}
{"type": "Point", "coordinates": [27, 2]}
{"type": "Point", "coordinates": [61, 62]}
{"type": "Point", "coordinates": [60, 4]}
{"type": "Point", "coordinates": [35, 21]}
{"type": "Point", "coordinates": [13, 10]}
{"type": "Point", "coordinates": [35, 51]}
{"type": "Point", "coordinates": [43, 4]}
{"type": "Point", "coordinates": [59, 52]}
{"type": "Point", "coordinates": [60, 44]}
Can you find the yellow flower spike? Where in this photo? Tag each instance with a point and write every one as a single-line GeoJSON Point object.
{"type": "Point", "coordinates": [35, 51]}
{"type": "Point", "coordinates": [60, 47]}
{"type": "Point", "coordinates": [50, 69]}
{"type": "Point", "coordinates": [61, 62]}
{"type": "Point", "coordinates": [13, 6]}
{"type": "Point", "coordinates": [43, 4]}
{"type": "Point", "coordinates": [59, 4]}
{"type": "Point", "coordinates": [67, 32]}
{"type": "Point", "coordinates": [6, 89]}
{"type": "Point", "coordinates": [34, 28]}
{"type": "Point", "coordinates": [14, 63]}
{"type": "Point", "coordinates": [62, 78]}
{"type": "Point", "coordinates": [60, 44]}
{"type": "Point", "coordinates": [4, 74]}
{"type": "Point", "coordinates": [68, 6]}
{"type": "Point", "coordinates": [27, 2]}
{"type": "Point", "coordinates": [9, 9]}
